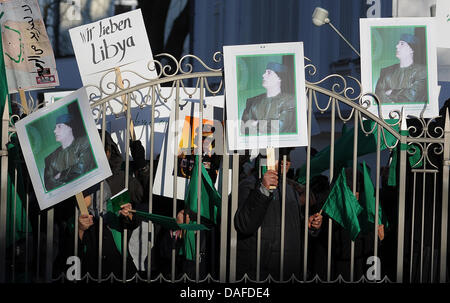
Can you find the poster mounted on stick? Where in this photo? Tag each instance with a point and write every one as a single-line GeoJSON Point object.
{"type": "Point", "coordinates": [398, 64]}
{"type": "Point", "coordinates": [120, 42]}
{"type": "Point", "coordinates": [29, 59]}
{"type": "Point", "coordinates": [182, 140]}
{"type": "Point", "coordinates": [265, 95]}
{"type": "Point", "coordinates": [62, 149]}
{"type": "Point", "coordinates": [109, 51]}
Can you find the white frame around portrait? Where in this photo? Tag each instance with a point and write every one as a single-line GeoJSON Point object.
{"type": "Point", "coordinates": [431, 108]}
{"type": "Point", "coordinates": [237, 141]}
{"type": "Point", "coordinates": [100, 173]}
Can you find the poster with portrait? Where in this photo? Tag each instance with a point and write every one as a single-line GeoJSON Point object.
{"type": "Point", "coordinates": [27, 51]}
{"type": "Point", "coordinates": [181, 143]}
{"type": "Point", "coordinates": [265, 96]}
{"type": "Point", "coordinates": [62, 149]}
{"type": "Point", "coordinates": [399, 65]}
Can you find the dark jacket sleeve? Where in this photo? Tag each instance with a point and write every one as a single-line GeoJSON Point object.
{"type": "Point", "coordinates": [49, 174]}
{"type": "Point", "coordinates": [252, 207]}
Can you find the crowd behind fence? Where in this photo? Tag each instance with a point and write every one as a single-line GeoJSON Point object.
{"type": "Point", "coordinates": [409, 246]}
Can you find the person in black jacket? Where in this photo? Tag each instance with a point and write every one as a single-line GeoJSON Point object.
{"type": "Point", "coordinates": [89, 241]}
{"type": "Point", "coordinates": [260, 206]}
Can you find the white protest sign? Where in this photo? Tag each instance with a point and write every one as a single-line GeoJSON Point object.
{"type": "Point", "coordinates": [443, 23]}
{"type": "Point", "coordinates": [27, 51]}
{"type": "Point", "coordinates": [119, 41]}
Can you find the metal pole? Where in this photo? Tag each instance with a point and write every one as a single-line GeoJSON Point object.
{"type": "Point", "coordinates": [234, 205]}
{"type": "Point", "coordinates": [224, 210]}
{"type": "Point", "coordinates": [150, 186]}
{"type": "Point", "coordinates": [401, 202]}
{"type": "Point", "coordinates": [100, 222]}
{"type": "Point", "coordinates": [199, 180]}
{"type": "Point", "coordinates": [283, 217]}
{"type": "Point", "coordinates": [444, 225]}
{"type": "Point", "coordinates": [175, 167]}
{"type": "Point", "coordinates": [4, 191]}
{"type": "Point", "coordinates": [49, 249]}
{"type": "Point", "coordinates": [308, 173]}
{"type": "Point", "coordinates": [330, 221]}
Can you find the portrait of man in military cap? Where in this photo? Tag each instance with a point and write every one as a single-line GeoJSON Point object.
{"type": "Point", "coordinates": [265, 96]}
{"type": "Point", "coordinates": [73, 157]}
{"type": "Point", "coordinates": [406, 80]}
{"type": "Point", "coordinates": [62, 149]}
{"type": "Point", "coordinates": [273, 111]}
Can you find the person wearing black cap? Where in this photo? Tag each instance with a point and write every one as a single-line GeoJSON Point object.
{"type": "Point", "coordinates": [72, 159]}
{"type": "Point", "coordinates": [405, 81]}
{"type": "Point", "coordinates": [277, 104]}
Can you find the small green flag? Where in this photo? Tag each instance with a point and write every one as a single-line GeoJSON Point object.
{"type": "Point", "coordinates": [123, 197]}
{"type": "Point", "coordinates": [343, 207]}
{"type": "Point", "coordinates": [369, 201]}
{"type": "Point", "coordinates": [113, 207]}
{"type": "Point", "coordinates": [366, 144]}
{"type": "Point", "coordinates": [210, 204]}
{"type": "Point", "coordinates": [414, 157]}
{"type": "Point", "coordinates": [119, 199]}
{"type": "Point", "coordinates": [211, 198]}
{"type": "Point", "coordinates": [169, 222]}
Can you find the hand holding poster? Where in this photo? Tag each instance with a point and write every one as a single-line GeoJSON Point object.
{"type": "Point", "coordinates": [28, 54]}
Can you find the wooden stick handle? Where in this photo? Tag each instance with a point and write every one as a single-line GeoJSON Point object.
{"type": "Point", "coordinates": [81, 204]}
{"type": "Point", "coordinates": [23, 101]}
{"type": "Point", "coordinates": [271, 161]}
{"type": "Point", "coordinates": [124, 100]}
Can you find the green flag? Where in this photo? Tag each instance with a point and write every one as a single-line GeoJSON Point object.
{"type": "Point", "coordinates": [112, 217]}
{"type": "Point", "coordinates": [366, 145]}
{"type": "Point", "coordinates": [123, 197]}
{"type": "Point", "coordinates": [343, 207]}
{"type": "Point", "coordinates": [368, 201]}
{"type": "Point", "coordinates": [414, 157]}
{"type": "Point", "coordinates": [210, 203]}
{"type": "Point", "coordinates": [169, 222]}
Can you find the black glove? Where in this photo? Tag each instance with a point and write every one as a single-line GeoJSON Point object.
{"type": "Point", "coordinates": [138, 154]}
